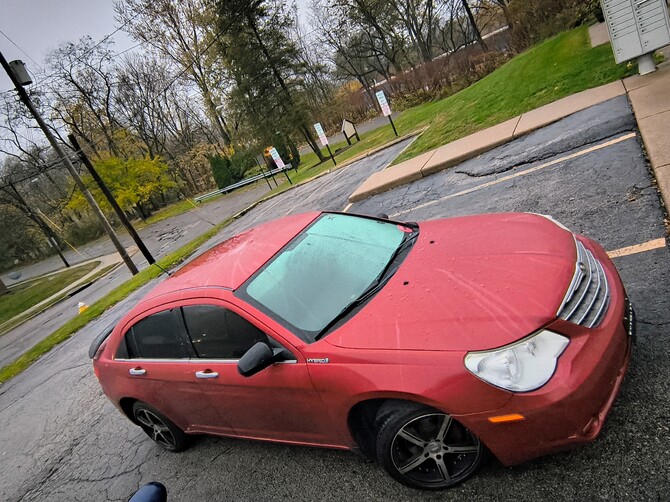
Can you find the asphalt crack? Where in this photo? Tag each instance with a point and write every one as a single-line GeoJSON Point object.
{"type": "Point", "coordinates": [654, 324]}
{"type": "Point", "coordinates": [534, 159]}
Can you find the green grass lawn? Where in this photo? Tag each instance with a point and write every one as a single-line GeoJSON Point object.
{"type": "Point", "coordinates": [557, 68]}
{"type": "Point", "coordinates": [552, 70]}
{"type": "Point", "coordinates": [27, 294]}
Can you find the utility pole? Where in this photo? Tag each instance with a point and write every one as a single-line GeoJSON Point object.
{"type": "Point", "coordinates": [68, 165]}
{"type": "Point", "coordinates": [112, 201]}
{"type": "Point", "coordinates": [43, 226]}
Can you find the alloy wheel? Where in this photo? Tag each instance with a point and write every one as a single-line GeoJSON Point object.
{"type": "Point", "coordinates": [435, 450]}
{"type": "Point", "coordinates": [155, 428]}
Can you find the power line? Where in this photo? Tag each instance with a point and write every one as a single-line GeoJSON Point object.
{"type": "Point", "coordinates": [32, 176]}
{"type": "Point", "coordinates": [19, 48]}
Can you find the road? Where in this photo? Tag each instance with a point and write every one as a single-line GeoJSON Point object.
{"type": "Point", "coordinates": [160, 238]}
{"type": "Point", "coordinates": [62, 440]}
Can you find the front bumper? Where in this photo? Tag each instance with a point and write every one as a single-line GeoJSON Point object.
{"type": "Point", "coordinates": [571, 408]}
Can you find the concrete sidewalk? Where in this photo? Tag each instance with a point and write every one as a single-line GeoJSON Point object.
{"type": "Point", "coordinates": [649, 96]}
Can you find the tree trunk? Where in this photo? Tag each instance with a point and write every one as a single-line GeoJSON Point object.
{"type": "Point", "coordinates": [282, 84]}
{"type": "Point", "coordinates": [506, 13]}
{"type": "Point", "coordinates": [311, 142]}
{"type": "Point", "coordinates": [478, 35]}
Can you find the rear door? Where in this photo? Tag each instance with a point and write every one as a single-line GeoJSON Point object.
{"type": "Point", "coordinates": [154, 358]}
{"type": "Point", "coordinates": [277, 403]}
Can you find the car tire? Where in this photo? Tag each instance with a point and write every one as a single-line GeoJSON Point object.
{"type": "Point", "coordinates": [425, 448]}
{"type": "Point", "coordinates": [159, 428]}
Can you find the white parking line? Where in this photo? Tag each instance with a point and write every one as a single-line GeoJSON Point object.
{"type": "Point", "coordinates": [521, 173]}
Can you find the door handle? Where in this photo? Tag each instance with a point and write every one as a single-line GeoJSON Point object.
{"type": "Point", "coordinates": [206, 374]}
{"type": "Point", "coordinates": [137, 371]}
{"type": "Point", "coordinates": [642, 2]}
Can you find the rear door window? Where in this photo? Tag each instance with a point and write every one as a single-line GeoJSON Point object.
{"type": "Point", "coordinates": [158, 336]}
{"type": "Point", "coordinates": [219, 333]}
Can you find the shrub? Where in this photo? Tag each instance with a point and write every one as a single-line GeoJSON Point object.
{"type": "Point", "coordinates": [229, 169]}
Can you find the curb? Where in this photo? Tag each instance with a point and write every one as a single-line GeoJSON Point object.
{"type": "Point", "coordinates": [462, 149]}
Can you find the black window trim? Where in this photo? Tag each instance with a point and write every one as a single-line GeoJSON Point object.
{"type": "Point", "coordinates": [181, 334]}
{"type": "Point", "coordinates": [201, 300]}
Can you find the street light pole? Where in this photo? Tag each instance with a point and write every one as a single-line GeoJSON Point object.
{"type": "Point", "coordinates": [68, 165]}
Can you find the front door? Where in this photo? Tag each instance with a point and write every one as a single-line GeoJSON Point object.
{"type": "Point", "coordinates": [278, 403]}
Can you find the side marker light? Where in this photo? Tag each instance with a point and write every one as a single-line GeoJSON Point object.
{"type": "Point", "coordinates": [514, 417]}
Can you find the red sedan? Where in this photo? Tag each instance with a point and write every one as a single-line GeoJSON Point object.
{"type": "Point", "coordinates": [423, 345]}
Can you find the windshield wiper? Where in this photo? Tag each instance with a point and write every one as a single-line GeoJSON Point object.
{"type": "Point", "coordinates": [373, 288]}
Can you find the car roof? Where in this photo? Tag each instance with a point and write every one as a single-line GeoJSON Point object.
{"type": "Point", "coordinates": [230, 263]}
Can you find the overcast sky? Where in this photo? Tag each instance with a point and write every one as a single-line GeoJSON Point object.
{"type": "Point", "coordinates": [39, 26]}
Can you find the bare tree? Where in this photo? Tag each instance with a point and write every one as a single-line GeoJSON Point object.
{"type": "Point", "coordinates": [419, 18]}
{"type": "Point", "coordinates": [80, 93]}
{"type": "Point", "coordinates": [473, 23]}
{"type": "Point", "coordinates": [161, 113]}
{"type": "Point", "coordinates": [183, 31]}
{"type": "Point", "coordinates": [332, 35]}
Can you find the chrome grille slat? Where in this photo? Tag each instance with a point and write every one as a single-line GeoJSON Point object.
{"type": "Point", "coordinates": [576, 279]}
{"type": "Point", "coordinates": [588, 295]}
{"type": "Point", "coordinates": [593, 265]}
{"type": "Point", "coordinates": [605, 304]}
{"type": "Point", "coordinates": [583, 285]}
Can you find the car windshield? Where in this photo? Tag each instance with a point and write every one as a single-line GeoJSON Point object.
{"type": "Point", "coordinates": [324, 270]}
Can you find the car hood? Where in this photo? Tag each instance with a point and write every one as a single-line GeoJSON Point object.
{"type": "Point", "coordinates": [469, 283]}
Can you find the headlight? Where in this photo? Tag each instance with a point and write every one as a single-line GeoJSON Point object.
{"type": "Point", "coordinates": [521, 367]}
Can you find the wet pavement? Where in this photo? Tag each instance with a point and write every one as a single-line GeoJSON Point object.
{"type": "Point", "coordinates": [63, 440]}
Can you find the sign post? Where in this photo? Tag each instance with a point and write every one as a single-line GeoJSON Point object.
{"type": "Point", "coordinates": [279, 162]}
{"type": "Point", "coordinates": [386, 109]}
{"type": "Point", "coordinates": [324, 140]}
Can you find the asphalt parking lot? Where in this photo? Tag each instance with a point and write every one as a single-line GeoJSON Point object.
{"type": "Point", "coordinates": [62, 440]}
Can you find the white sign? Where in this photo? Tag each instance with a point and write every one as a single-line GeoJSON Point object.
{"type": "Point", "coordinates": [636, 27]}
{"type": "Point", "coordinates": [322, 135]}
{"type": "Point", "coordinates": [348, 128]}
{"type": "Point", "coordinates": [386, 109]}
{"type": "Point", "coordinates": [275, 156]}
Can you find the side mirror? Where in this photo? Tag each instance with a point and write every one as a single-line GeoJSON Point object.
{"type": "Point", "coordinates": [257, 358]}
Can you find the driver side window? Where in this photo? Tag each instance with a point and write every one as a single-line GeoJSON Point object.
{"type": "Point", "coordinates": [218, 333]}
